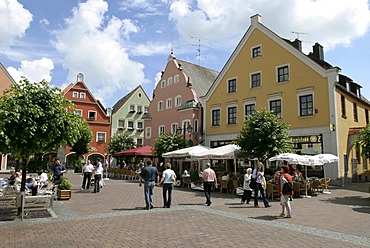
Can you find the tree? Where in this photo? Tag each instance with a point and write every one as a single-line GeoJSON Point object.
{"type": "Point", "coordinates": [120, 142]}
{"type": "Point", "coordinates": [363, 141]}
{"type": "Point", "coordinates": [168, 143]}
{"type": "Point", "coordinates": [264, 135]}
{"type": "Point", "coordinates": [35, 118]}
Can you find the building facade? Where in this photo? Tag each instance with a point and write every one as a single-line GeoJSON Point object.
{"type": "Point", "coordinates": [96, 116]}
{"type": "Point", "coordinates": [127, 115]}
{"type": "Point", "coordinates": [175, 107]}
{"type": "Point", "coordinates": [266, 71]}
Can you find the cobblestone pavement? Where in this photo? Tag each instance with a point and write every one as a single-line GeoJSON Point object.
{"type": "Point", "coordinates": [115, 218]}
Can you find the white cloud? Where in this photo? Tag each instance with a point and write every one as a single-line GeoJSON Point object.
{"type": "Point", "coordinates": [224, 22]}
{"type": "Point", "coordinates": [15, 20]}
{"type": "Point", "coordinates": [95, 44]}
{"type": "Point", "coordinates": [45, 22]}
{"type": "Point", "coordinates": [34, 71]}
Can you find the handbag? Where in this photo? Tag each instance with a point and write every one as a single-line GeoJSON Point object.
{"type": "Point", "coordinates": [287, 187]}
{"type": "Point", "coordinates": [252, 183]}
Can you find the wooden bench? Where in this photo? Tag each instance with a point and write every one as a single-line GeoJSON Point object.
{"type": "Point", "coordinates": [36, 200]}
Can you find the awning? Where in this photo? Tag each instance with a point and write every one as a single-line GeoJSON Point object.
{"type": "Point", "coordinates": [145, 151]}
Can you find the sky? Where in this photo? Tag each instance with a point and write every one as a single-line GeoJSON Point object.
{"type": "Point", "coordinates": [119, 45]}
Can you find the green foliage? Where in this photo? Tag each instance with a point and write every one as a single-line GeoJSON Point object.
{"type": "Point", "coordinates": [65, 184]}
{"type": "Point", "coordinates": [120, 142]}
{"type": "Point", "coordinates": [84, 137]}
{"type": "Point", "coordinates": [34, 118]}
{"type": "Point", "coordinates": [264, 135]}
{"type": "Point", "coordinates": [36, 165]}
{"type": "Point", "coordinates": [168, 143]}
{"type": "Point", "coordinates": [362, 141]}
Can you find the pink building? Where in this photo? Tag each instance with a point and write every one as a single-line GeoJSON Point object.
{"type": "Point", "coordinates": [176, 107]}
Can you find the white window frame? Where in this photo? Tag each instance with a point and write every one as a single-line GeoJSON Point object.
{"type": "Point", "coordinates": [174, 127]}
{"type": "Point", "coordinates": [169, 81]}
{"type": "Point", "coordinates": [74, 94]}
{"type": "Point", "coordinates": [249, 102]}
{"type": "Point", "coordinates": [161, 130]}
{"type": "Point", "coordinates": [251, 81]}
{"type": "Point", "coordinates": [142, 125]}
{"type": "Point", "coordinates": [275, 97]}
{"type": "Point", "coordinates": [163, 83]}
{"type": "Point", "coordinates": [95, 115]}
{"type": "Point", "coordinates": [277, 73]}
{"type": "Point", "coordinates": [118, 121]}
{"type": "Point", "coordinates": [185, 123]}
{"type": "Point", "coordinates": [139, 108]}
{"type": "Point", "coordinates": [97, 137]}
{"type": "Point", "coordinates": [169, 103]}
{"type": "Point", "coordinates": [176, 79]}
{"type": "Point", "coordinates": [137, 142]}
{"type": "Point", "coordinates": [133, 124]}
{"type": "Point", "coordinates": [148, 132]}
{"type": "Point", "coordinates": [132, 108]}
{"type": "Point", "coordinates": [178, 101]}
{"type": "Point", "coordinates": [146, 109]}
{"type": "Point", "coordinates": [160, 106]}
{"type": "Point", "coordinates": [304, 92]}
{"type": "Point", "coordinates": [254, 47]}
{"type": "Point", "coordinates": [79, 112]}
{"type": "Point", "coordinates": [82, 95]}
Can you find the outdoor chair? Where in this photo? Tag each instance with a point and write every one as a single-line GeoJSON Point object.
{"type": "Point", "coordinates": [299, 188]}
{"type": "Point", "coordinates": [234, 186]}
{"type": "Point", "coordinates": [324, 183]}
{"type": "Point", "coordinates": [316, 186]}
{"type": "Point", "coordinates": [224, 186]}
{"type": "Point", "coordinates": [271, 190]}
{"type": "Point", "coordinates": [186, 181]}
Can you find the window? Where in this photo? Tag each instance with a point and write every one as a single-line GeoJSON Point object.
{"type": "Point", "coordinates": [82, 95]}
{"type": "Point", "coordinates": [92, 115]}
{"type": "Point", "coordinates": [160, 105]}
{"type": "Point", "coordinates": [100, 137]}
{"type": "Point", "coordinates": [196, 126]}
{"type": "Point", "coordinates": [146, 109]}
{"type": "Point", "coordinates": [140, 125]}
{"type": "Point", "coordinates": [343, 105]}
{"type": "Point", "coordinates": [176, 78]}
{"type": "Point", "coordinates": [163, 84]}
{"type": "Point", "coordinates": [355, 116]}
{"type": "Point", "coordinates": [249, 109]}
{"type": "Point", "coordinates": [256, 52]}
{"type": "Point", "coordinates": [148, 132]}
{"type": "Point", "coordinates": [215, 117]}
{"type": "Point", "coordinates": [132, 108]}
{"type": "Point", "coordinates": [161, 130]}
{"type": "Point", "coordinates": [283, 74]}
{"type": "Point", "coordinates": [78, 112]}
{"type": "Point", "coordinates": [306, 105]}
{"type": "Point", "coordinates": [121, 123]}
{"type": "Point", "coordinates": [256, 80]}
{"type": "Point", "coordinates": [174, 127]}
{"type": "Point", "coordinates": [177, 101]}
{"type": "Point", "coordinates": [231, 115]}
{"type": "Point", "coordinates": [139, 142]}
{"type": "Point", "coordinates": [169, 103]}
{"type": "Point", "coordinates": [169, 81]}
{"type": "Point", "coordinates": [231, 85]}
{"type": "Point", "coordinates": [139, 109]}
{"type": "Point", "coordinates": [275, 107]}
{"type": "Point", "coordinates": [130, 125]}
{"type": "Point", "coordinates": [367, 116]}
{"type": "Point", "coordinates": [75, 94]}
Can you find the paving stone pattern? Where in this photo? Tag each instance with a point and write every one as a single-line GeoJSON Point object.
{"type": "Point", "coordinates": [115, 218]}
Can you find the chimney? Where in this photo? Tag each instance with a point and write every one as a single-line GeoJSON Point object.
{"type": "Point", "coordinates": [318, 51]}
{"type": "Point", "coordinates": [297, 44]}
{"type": "Point", "coordinates": [80, 77]}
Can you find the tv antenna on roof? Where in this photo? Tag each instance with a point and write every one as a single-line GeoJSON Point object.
{"type": "Point", "coordinates": [198, 50]}
{"type": "Point", "coordinates": [298, 33]}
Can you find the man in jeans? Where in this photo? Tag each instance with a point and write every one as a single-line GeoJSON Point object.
{"type": "Point", "coordinates": [97, 176]}
{"type": "Point", "coordinates": [150, 175]}
{"type": "Point", "coordinates": [209, 180]}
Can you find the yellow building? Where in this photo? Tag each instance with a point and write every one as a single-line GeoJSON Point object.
{"type": "Point", "coordinates": [267, 71]}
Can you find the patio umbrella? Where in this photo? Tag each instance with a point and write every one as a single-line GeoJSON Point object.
{"type": "Point", "coordinates": [327, 158]}
{"type": "Point", "coordinates": [308, 160]}
{"type": "Point", "coordinates": [289, 157]}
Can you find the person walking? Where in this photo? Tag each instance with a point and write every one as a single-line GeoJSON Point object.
{"type": "Point", "coordinates": [151, 176]}
{"type": "Point", "coordinates": [209, 181]}
{"type": "Point", "coordinates": [87, 172]}
{"type": "Point", "coordinates": [58, 170]}
{"type": "Point", "coordinates": [97, 176]}
{"type": "Point", "coordinates": [168, 179]}
{"type": "Point", "coordinates": [247, 194]}
{"type": "Point", "coordinates": [258, 173]}
{"type": "Point", "coordinates": [285, 192]}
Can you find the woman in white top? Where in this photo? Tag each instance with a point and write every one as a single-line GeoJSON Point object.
{"type": "Point", "coordinates": [247, 194]}
{"type": "Point", "coordinates": [87, 172]}
{"type": "Point", "coordinates": [258, 174]}
{"type": "Point", "coordinates": [168, 179]}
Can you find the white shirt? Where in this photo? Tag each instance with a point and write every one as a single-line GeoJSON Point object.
{"type": "Point", "coordinates": [167, 176]}
{"type": "Point", "coordinates": [43, 177]}
{"type": "Point", "coordinates": [247, 180]}
{"type": "Point", "coordinates": [99, 169]}
{"type": "Point", "coordinates": [88, 168]}
{"type": "Point", "coordinates": [255, 173]}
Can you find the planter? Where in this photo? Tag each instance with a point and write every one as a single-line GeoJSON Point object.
{"type": "Point", "coordinates": [64, 194]}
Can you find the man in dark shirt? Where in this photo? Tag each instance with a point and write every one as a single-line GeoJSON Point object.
{"type": "Point", "coordinates": [150, 175]}
{"type": "Point", "coordinates": [58, 170]}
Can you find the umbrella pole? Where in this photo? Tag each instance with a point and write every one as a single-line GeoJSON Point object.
{"type": "Point", "coordinates": [307, 182]}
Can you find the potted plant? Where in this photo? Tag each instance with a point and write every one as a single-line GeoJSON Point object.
{"type": "Point", "coordinates": [64, 189]}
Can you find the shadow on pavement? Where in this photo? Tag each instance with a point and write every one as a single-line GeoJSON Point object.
{"type": "Point", "coordinates": [266, 217]}
{"type": "Point", "coordinates": [128, 209]}
{"type": "Point", "coordinates": [350, 200]}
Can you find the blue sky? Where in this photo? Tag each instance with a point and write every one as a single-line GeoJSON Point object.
{"type": "Point", "coordinates": [119, 45]}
